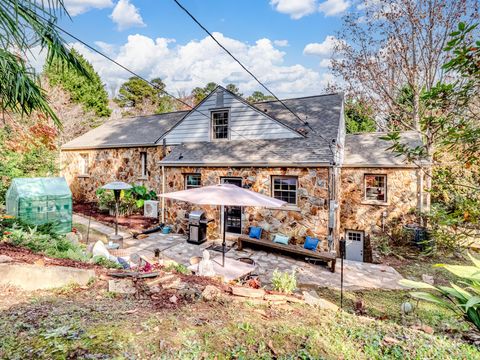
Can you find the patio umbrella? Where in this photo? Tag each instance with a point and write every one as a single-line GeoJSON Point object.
{"type": "Point", "coordinates": [224, 195]}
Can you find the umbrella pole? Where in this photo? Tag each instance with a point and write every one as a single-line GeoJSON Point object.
{"type": "Point", "coordinates": [224, 230]}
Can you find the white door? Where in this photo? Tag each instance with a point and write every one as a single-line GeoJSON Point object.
{"type": "Point", "coordinates": [354, 245]}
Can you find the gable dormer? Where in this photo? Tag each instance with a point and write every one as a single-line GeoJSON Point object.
{"type": "Point", "coordinates": [223, 116]}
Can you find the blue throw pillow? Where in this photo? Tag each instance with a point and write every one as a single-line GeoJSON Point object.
{"type": "Point", "coordinates": [311, 243]}
{"type": "Point", "coordinates": [255, 232]}
{"type": "Point", "coordinates": [281, 239]}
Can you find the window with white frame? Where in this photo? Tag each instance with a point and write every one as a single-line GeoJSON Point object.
{"type": "Point", "coordinates": [193, 181]}
{"type": "Point", "coordinates": [354, 235]}
{"type": "Point", "coordinates": [220, 125]}
{"type": "Point", "coordinates": [376, 188]}
{"type": "Point", "coordinates": [285, 188]}
{"type": "Point", "coordinates": [143, 159]}
{"type": "Point", "coordinates": [83, 164]}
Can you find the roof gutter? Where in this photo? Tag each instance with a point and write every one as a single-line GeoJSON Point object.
{"type": "Point", "coordinates": [399, 166]}
{"type": "Point", "coordinates": [100, 147]}
{"type": "Point", "coordinates": [243, 164]}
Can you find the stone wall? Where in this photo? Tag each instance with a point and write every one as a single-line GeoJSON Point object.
{"type": "Point", "coordinates": [358, 214]}
{"type": "Point", "coordinates": [309, 217]}
{"type": "Point", "coordinates": [106, 165]}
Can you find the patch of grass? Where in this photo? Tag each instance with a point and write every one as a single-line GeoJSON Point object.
{"type": "Point", "coordinates": [84, 326]}
{"type": "Point", "coordinates": [386, 305]}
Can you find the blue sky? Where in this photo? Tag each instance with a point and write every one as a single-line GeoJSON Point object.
{"type": "Point", "coordinates": [156, 38]}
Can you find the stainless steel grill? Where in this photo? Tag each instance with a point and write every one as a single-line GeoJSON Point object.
{"type": "Point", "coordinates": [196, 216]}
{"type": "Point", "coordinates": [197, 227]}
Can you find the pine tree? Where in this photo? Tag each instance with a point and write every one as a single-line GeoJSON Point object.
{"type": "Point", "coordinates": [89, 92]}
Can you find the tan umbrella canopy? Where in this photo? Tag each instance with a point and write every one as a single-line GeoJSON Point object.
{"type": "Point", "coordinates": [224, 195]}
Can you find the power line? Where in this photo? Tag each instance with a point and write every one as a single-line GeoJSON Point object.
{"type": "Point", "coordinates": [303, 122]}
{"type": "Point", "coordinates": [148, 81]}
{"type": "Point", "coordinates": [151, 83]}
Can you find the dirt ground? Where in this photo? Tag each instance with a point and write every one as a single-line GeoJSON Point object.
{"type": "Point", "coordinates": [135, 222]}
{"type": "Point", "coordinates": [23, 255]}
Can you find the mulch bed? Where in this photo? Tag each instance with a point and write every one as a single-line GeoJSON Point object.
{"type": "Point", "coordinates": [24, 255]}
{"type": "Point", "coordinates": [135, 222]}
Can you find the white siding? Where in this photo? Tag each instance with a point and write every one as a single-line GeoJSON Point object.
{"type": "Point", "coordinates": [245, 123]}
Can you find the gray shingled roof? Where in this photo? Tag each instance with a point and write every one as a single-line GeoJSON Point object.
{"type": "Point", "coordinates": [283, 152]}
{"type": "Point", "coordinates": [362, 150]}
{"type": "Point", "coordinates": [322, 112]}
{"type": "Point", "coordinates": [127, 132]}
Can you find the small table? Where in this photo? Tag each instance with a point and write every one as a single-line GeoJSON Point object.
{"type": "Point", "coordinates": [232, 270]}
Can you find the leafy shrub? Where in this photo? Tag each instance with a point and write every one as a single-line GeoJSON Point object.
{"type": "Point", "coordinates": [50, 245]}
{"type": "Point", "coordinates": [140, 193]}
{"type": "Point", "coordinates": [103, 261]}
{"type": "Point", "coordinates": [106, 201]}
{"type": "Point", "coordinates": [284, 281]}
{"type": "Point", "coordinates": [465, 301]}
{"type": "Point", "coordinates": [179, 268]}
{"type": "Point", "coordinates": [130, 200]}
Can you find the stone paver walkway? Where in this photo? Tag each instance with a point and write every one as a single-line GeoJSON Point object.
{"type": "Point", "coordinates": [101, 228]}
{"type": "Point", "coordinates": [357, 276]}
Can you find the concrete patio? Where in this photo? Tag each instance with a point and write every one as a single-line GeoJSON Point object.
{"type": "Point", "coordinates": [357, 275]}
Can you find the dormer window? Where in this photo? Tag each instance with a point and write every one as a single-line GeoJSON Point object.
{"type": "Point", "coordinates": [220, 125]}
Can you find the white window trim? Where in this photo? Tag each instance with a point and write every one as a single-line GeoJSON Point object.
{"type": "Point", "coordinates": [212, 132]}
{"type": "Point", "coordinates": [144, 165]}
{"type": "Point", "coordinates": [186, 181]}
{"type": "Point", "coordinates": [355, 232]}
{"type": "Point", "coordinates": [272, 192]}
{"type": "Point", "coordinates": [84, 164]}
{"type": "Point", "coordinates": [370, 201]}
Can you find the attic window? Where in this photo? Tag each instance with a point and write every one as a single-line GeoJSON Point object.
{"type": "Point", "coordinates": [220, 125]}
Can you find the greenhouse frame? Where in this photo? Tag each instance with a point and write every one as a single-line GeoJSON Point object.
{"type": "Point", "coordinates": [38, 201]}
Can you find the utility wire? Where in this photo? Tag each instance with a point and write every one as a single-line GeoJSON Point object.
{"type": "Point", "coordinates": [303, 122]}
{"type": "Point", "coordinates": [149, 82]}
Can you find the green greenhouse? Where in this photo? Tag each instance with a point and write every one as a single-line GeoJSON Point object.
{"type": "Point", "coordinates": [37, 201]}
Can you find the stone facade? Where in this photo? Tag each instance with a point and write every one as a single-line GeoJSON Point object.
{"type": "Point", "coordinates": [308, 217]}
{"type": "Point", "coordinates": [106, 165]}
{"type": "Point", "coordinates": [358, 214]}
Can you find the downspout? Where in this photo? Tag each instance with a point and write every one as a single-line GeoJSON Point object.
{"type": "Point", "coordinates": [163, 192]}
{"type": "Point", "coordinates": [164, 153]}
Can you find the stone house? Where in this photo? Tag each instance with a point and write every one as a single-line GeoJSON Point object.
{"type": "Point", "coordinates": [336, 185]}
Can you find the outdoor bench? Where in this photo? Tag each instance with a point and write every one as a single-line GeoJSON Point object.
{"type": "Point", "coordinates": [327, 257]}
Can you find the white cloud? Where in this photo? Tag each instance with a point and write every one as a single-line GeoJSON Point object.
{"type": "Point", "coordinates": [126, 15]}
{"type": "Point", "coordinates": [295, 8]}
{"type": "Point", "coordinates": [323, 49]}
{"type": "Point", "coordinates": [77, 7]}
{"type": "Point", "coordinates": [325, 63]}
{"type": "Point", "coordinates": [281, 43]}
{"type": "Point", "coordinates": [183, 67]}
{"type": "Point", "coordinates": [333, 7]}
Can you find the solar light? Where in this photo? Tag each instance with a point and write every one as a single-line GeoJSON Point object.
{"type": "Point", "coordinates": [117, 187]}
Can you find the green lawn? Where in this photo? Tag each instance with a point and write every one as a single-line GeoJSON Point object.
{"type": "Point", "coordinates": [91, 323]}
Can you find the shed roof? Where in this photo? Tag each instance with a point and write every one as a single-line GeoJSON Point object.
{"type": "Point", "coordinates": [369, 150]}
{"type": "Point", "coordinates": [127, 132]}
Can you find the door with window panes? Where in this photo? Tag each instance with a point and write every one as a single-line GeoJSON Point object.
{"type": "Point", "coordinates": [234, 213]}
